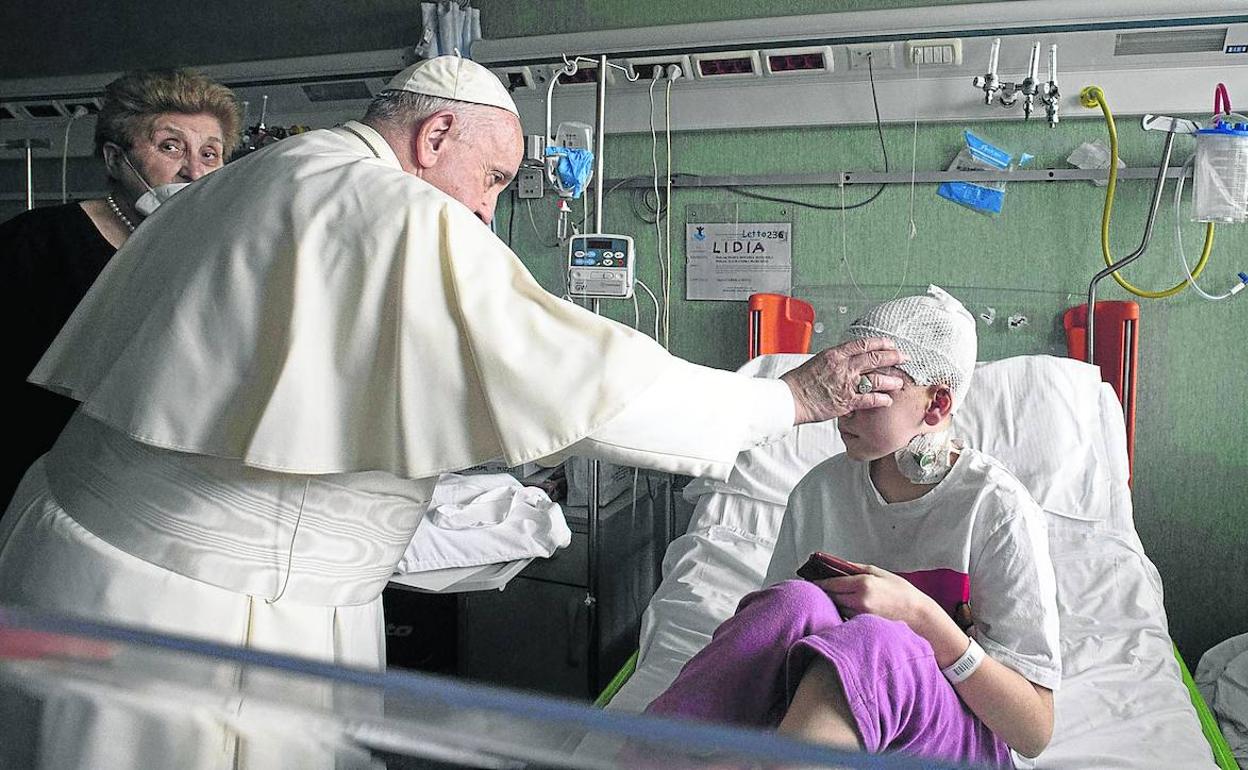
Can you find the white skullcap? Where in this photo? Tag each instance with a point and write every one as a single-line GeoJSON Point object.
{"type": "Point", "coordinates": [454, 77]}
{"type": "Point", "coordinates": [935, 332]}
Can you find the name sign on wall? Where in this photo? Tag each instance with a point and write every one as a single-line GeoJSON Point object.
{"type": "Point", "coordinates": [732, 260]}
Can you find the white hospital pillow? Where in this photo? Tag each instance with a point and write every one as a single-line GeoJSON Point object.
{"type": "Point", "coordinates": [1041, 417]}
{"type": "Point", "coordinates": [770, 471]}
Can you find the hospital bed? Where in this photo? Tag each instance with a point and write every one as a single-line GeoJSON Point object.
{"type": "Point", "coordinates": [1122, 703]}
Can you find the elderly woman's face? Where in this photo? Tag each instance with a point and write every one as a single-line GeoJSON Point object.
{"type": "Point", "coordinates": [178, 148]}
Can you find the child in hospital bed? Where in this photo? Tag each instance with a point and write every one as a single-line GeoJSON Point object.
{"type": "Point", "coordinates": [877, 660]}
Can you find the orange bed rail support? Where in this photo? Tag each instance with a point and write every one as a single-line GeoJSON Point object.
{"type": "Point", "coordinates": [1116, 352]}
{"type": "Point", "coordinates": [779, 324]}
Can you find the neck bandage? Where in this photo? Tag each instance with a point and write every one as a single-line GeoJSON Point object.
{"type": "Point", "coordinates": [928, 457]}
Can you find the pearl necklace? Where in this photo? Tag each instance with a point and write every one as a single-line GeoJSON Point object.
{"type": "Point", "coordinates": [112, 204]}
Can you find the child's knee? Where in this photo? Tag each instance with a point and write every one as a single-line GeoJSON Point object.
{"type": "Point", "coordinates": [790, 597]}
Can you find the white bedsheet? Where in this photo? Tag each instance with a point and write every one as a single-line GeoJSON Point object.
{"type": "Point", "coordinates": [1122, 702]}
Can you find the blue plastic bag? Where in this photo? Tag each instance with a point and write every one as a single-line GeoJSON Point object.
{"type": "Point", "coordinates": [979, 155]}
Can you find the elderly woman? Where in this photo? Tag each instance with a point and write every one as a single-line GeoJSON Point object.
{"type": "Point", "coordinates": [154, 131]}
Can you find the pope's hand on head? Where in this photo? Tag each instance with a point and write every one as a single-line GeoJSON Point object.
{"type": "Point", "coordinates": [831, 384]}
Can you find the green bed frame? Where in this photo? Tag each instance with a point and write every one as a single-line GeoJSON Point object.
{"type": "Point", "coordinates": [1208, 724]}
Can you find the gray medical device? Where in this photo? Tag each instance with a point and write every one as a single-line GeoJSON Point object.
{"type": "Point", "coordinates": [600, 265]}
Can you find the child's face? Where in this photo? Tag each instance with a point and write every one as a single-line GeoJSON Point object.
{"type": "Point", "coordinates": [870, 434]}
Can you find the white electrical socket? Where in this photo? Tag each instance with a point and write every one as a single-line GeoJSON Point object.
{"type": "Point", "coordinates": [644, 66]}
{"type": "Point", "coordinates": [529, 183]}
{"type": "Point", "coordinates": [881, 56]}
{"type": "Point", "coordinates": [943, 52]}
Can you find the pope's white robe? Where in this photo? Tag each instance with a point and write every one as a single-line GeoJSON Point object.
{"type": "Point", "coordinates": [273, 371]}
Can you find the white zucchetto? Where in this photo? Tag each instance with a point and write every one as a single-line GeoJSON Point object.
{"type": "Point", "coordinates": [454, 77]}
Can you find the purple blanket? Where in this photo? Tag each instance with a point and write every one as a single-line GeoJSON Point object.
{"type": "Point", "coordinates": [900, 700]}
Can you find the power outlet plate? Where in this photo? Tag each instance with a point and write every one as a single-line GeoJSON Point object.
{"type": "Point", "coordinates": [529, 183]}
{"type": "Point", "coordinates": [881, 56]}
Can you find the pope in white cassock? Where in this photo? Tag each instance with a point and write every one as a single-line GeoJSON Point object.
{"type": "Point", "coordinates": [278, 364]}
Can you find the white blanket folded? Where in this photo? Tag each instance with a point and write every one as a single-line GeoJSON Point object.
{"type": "Point", "coordinates": [485, 519]}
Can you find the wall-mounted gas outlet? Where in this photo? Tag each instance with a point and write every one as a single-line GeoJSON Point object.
{"type": "Point", "coordinates": [881, 56]}
{"type": "Point", "coordinates": [529, 183]}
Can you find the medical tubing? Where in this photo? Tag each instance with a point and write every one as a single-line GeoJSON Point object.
{"type": "Point", "coordinates": [1178, 241]}
{"type": "Point", "coordinates": [568, 69]}
{"type": "Point", "coordinates": [1093, 96]}
{"type": "Point", "coordinates": [1221, 100]}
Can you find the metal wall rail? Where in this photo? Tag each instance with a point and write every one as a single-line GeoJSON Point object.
{"type": "Point", "coordinates": [896, 177]}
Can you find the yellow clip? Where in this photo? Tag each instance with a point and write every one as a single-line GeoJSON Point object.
{"type": "Point", "coordinates": [1091, 96]}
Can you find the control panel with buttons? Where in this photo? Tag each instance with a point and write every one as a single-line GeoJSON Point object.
{"type": "Point", "coordinates": [600, 265]}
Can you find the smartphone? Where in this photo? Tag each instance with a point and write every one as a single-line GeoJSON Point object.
{"type": "Point", "coordinates": [821, 566]}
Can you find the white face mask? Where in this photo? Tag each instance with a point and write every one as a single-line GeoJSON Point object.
{"type": "Point", "coordinates": [151, 200]}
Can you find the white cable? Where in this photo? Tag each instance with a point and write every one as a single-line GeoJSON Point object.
{"type": "Point", "coordinates": [1178, 240]}
{"type": "Point", "coordinates": [529, 205]}
{"type": "Point", "coordinates": [914, 157]}
{"type": "Point", "coordinates": [667, 293]}
{"type": "Point", "coordinates": [653, 299]}
{"type": "Point", "coordinates": [77, 113]}
{"type": "Point", "coordinates": [658, 207]}
{"type": "Point", "coordinates": [845, 245]}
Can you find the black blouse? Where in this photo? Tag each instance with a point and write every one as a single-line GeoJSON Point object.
{"type": "Point", "coordinates": [49, 257]}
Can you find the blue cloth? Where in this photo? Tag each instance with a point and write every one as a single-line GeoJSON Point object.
{"type": "Point", "coordinates": [575, 167]}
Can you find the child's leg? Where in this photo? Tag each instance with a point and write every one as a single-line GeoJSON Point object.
{"type": "Point", "coordinates": [819, 712]}
{"type": "Point", "coordinates": [739, 677]}
{"type": "Point", "coordinates": [894, 691]}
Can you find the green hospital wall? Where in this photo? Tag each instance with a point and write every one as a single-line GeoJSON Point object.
{"type": "Point", "coordinates": [1191, 465]}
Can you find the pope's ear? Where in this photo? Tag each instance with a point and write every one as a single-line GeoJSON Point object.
{"type": "Point", "coordinates": [431, 136]}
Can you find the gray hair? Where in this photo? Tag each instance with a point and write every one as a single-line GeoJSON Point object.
{"type": "Point", "coordinates": [404, 109]}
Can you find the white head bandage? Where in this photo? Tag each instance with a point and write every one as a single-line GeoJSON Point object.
{"type": "Point", "coordinates": [454, 77]}
{"type": "Point", "coordinates": [936, 333]}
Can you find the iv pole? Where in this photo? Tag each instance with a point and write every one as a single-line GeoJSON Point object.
{"type": "Point", "coordinates": [591, 587]}
{"type": "Point", "coordinates": [29, 145]}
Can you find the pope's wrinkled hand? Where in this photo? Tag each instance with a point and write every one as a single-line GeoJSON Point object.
{"type": "Point", "coordinates": [826, 386]}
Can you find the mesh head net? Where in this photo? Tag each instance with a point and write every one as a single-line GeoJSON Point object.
{"type": "Point", "coordinates": [935, 332]}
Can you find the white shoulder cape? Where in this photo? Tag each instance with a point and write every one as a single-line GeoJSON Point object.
{"type": "Point", "coordinates": [314, 309]}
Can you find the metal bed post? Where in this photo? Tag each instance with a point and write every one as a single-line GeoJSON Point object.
{"type": "Point", "coordinates": [1149, 122]}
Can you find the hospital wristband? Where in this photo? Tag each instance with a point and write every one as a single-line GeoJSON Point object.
{"type": "Point", "coordinates": [966, 665]}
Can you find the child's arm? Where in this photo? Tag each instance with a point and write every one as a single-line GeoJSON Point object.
{"type": "Point", "coordinates": [1015, 709]}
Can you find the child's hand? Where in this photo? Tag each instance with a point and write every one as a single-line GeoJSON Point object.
{"type": "Point", "coordinates": [878, 592]}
